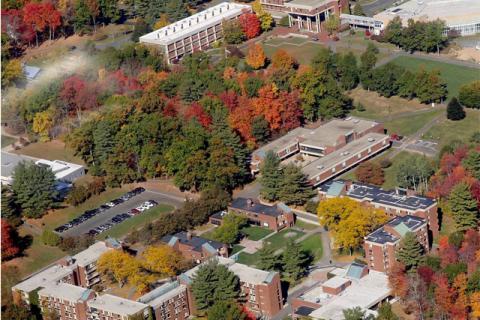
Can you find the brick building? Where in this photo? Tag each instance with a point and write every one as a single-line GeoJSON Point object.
{"type": "Point", "coordinates": [66, 300]}
{"type": "Point", "coordinates": [194, 33]}
{"type": "Point", "coordinates": [170, 301]}
{"type": "Point", "coordinates": [306, 15]}
{"type": "Point", "coordinates": [397, 202]}
{"type": "Point", "coordinates": [261, 290]}
{"type": "Point", "coordinates": [195, 248]}
{"type": "Point", "coordinates": [274, 217]}
{"type": "Point", "coordinates": [328, 150]}
{"type": "Point", "coordinates": [381, 245]}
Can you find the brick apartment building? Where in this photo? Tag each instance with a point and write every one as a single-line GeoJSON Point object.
{"type": "Point", "coordinates": [66, 300]}
{"type": "Point", "coordinates": [170, 301]}
{"type": "Point", "coordinates": [381, 245]}
{"type": "Point", "coordinates": [274, 217]}
{"type": "Point", "coordinates": [305, 15]}
{"type": "Point", "coordinates": [110, 307]}
{"type": "Point", "coordinates": [328, 150]}
{"type": "Point", "coordinates": [260, 290]}
{"type": "Point", "coordinates": [195, 248]}
{"type": "Point", "coordinates": [197, 32]}
{"type": "Point", "coordinates": [397, 202]}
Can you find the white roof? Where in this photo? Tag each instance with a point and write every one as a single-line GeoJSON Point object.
{"type": "Point", "coordinates": [195, 23]}
{"type": "Point", "coordinates": [364, 293]}
{"type": "Point", "coordinates": [163, 293]}
{"type": "Point", "coordinates": [43, 278]}
{"type": "Point", "coordinates": [61, 169]}
{"type": "Point", "coordinates": [91, 254]}
{"type": "Point", "coordinates": [335, 282]}
{"type": "Point", "coordinates": [116, 305]}
{"type": "Point", "coordinates": [65, 291]}
{"type": "Point", "coordinates": [454, 12]}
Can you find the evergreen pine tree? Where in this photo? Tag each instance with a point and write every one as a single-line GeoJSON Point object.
{"type": "Point", "coordinates": [10, 210]}
{"type": "Point", "coordinates": [410, 251]}
{"type": "Point", "coordinates": [227, 287]}
{"type": "Point", "coordinates": [455, 110]}
{"type": "Point", "coordinates": [225, 310]}
{"type": "Point", "coordinates": [82, 15]}
{"type": "Point", "coordinates": [294, 260]}
{"type": "Point", "coordinates": [271, 176]}
{"type": "Point", "coordinates": [464, 207]}
{"type": "Point", "coordinates": [472, 163]}
{"type": "Point", "coordinates": [267, 260]}
{"type": "Point", "coordinates": [294, 187]}
{"type": "Point", "coordinates": [260, 129]}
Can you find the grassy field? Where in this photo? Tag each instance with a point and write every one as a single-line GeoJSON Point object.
{"type": "Point", "coordinates": [409, 125]}
{"type": "Point", "coordinates": [52, 150]}
{"type": "Point", "coordinates": [390, 172]}
{"type": "Point", "coordinates": [236, 248]}
{"type": "Point", "coordinates": [447, 130]}
{"type": "Point", "coordinates": [305, 225]}
{"type": "Point", "coordinates": [381, 108]}
{"type": "Point", "coordinates": [313, 245]}
{"type": "Point", "coordinates": [6, 141]}
{"type": "Point", "coordinates": [454, 75]}
{"type": "Point", "coordinates": [256, 233]}
{"type": "Point", "coordinates": [122, 229]}
{"type": "Point", "coordinates": [302, 53]}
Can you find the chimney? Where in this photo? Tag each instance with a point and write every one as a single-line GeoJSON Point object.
{"type": "Point", "coordinates": [189, 235]}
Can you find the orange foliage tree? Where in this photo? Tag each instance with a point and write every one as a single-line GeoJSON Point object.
{"type": "Point", "coordinates": [256, 56]}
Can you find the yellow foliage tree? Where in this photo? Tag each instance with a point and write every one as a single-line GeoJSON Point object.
{"type": "Point", "coordinates": [42, 124]}
{"type": "Point", "coordinates": [266, 19]}
{"type": "Point", "coordinates": [11, 72]}
{"type": "Point", "coordinates": [475, 304]}
{"type": "Point", "coordinates": [256, 56]}
{"type": "Point", "coordinates": [118, 266]}
{"type": "Point", "coordinates": [161, 22]}
{"type": "Point", "coordinates": [349, 221]}
{"type": "Point", "coordinates": [163, 259]}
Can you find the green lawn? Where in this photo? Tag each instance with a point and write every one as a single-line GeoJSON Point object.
{"type": "Point", "coordinates": [305, 225]}
{"type": "Point", "coordinates": [135, 222]}
{"type": "Point", "coordinates": [302, 53]}
{"type": "Point", "coordinates": [313, 245]}
{"type": "Point", "coordinates": [454, 75]}
{"type": "Point", "coordinates": [255, 233]}
{"type": "Point", "coordinates": [409, 125]}
{"type": "Point", "coordinates": [390, 172]}
{"type": "Point", "coordinates": [52, 150]}
{"type": "Point", "coordinates": [447, 130]}
{"type": "Point", "coordinates": [236, 248]}
{"type": "Point", "coordinates": [247, 258]}
{"type": "Point", "coordinates": [6, 141]}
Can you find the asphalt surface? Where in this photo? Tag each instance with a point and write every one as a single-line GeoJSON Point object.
{"type": "Point", "coordinates": [375, 7]}
{"type": "Point", "coordinates": [106, 216]}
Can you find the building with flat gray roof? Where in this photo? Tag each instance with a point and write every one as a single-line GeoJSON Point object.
{"type": "Point", "coordinates": [110, 307]}
{"type": "Point", "coordinates": [461, 16]}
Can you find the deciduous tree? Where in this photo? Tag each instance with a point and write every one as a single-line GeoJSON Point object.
{"type": "Point", "coordinates": [256, 56]}
{"type": "Point", "coordinates": [229, 231]}
{"type": "Point", "coordinates": [163, 259]}
{"type": "Point", "coordinates": [469, 95]}
{"type": "Point", "coordinates": [370, 172]}
{"type": "Point", "coordinates": [9, 241]}
{"type": "Point", "coordinates": [250, 25]}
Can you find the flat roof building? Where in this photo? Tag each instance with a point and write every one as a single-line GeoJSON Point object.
{"type": "Point", "coordinates": [110, 307]}
{"type": "Point", "coordinates": [461, 16]}
{"type": "Point", "coordinates": [194, 33]}
{"type": "Point", "coordinates": [261, 289]}
{"type": "Point", "coordinates": [398, 202]}
{"type": "Point", "coordinates": [64, 171]}
{"type": "Point", "coordinates": [350, 287]}
{"type": "Point", "coordinates": [66, 300]}
{"type": "Point", "coordinates": [328, 150]}
{"type": "Point", "coordinates": [382, 244]}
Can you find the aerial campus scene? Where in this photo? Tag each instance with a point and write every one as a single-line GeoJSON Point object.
{"type": "Point", "coordinates": [240, 160]}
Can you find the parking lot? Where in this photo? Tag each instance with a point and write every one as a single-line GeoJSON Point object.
{"type": "Point", "coordinates": [425, 147]}
{"type": "Point", "coordinates": [107, 215]}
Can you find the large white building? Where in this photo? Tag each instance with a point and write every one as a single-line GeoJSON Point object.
{"type": "Point", "coordinates": [194, 33]}
{"type": "Point", "coordinates": [462, 16]}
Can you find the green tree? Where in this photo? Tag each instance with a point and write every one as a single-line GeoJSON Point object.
{"type": "Point", "coordinates": [358, 10]}
{"type": "Point", "coordinates": [271, 177]}
{"type": "Point", "coordinates": [18, 312]}
{"type": "Point", "coordinates": [430, 87]}
{"type": "Point", "coordinates": [347, 70]}
{"type": "Point", "coordinates": [356, 314]}
{"type": "Point", "coordinates": [332, 24]}
{"type": "Point", "coordinates": [294, 260]}
{"type": "Point", "coordinates": [109, 10]}
{"type": "Point", "coordinates": [413, 172]}
{"type": "Point", "coordinates": [472, 163]}
{"type": "Point", "coordinates": [385, 79]}
{"type": "Point", "coordinates": [294, 186]}
{"type": "Point", "coordinates": [385, 312]}
{"type": "Point", "coordinates": [229, 231]}
{"type": "Point", "coordinates": [225, 310]}
{"type": "Point", "coordinates": [267, 260]}
{"type": "Point", "coordinates": [10, 210]}
{"type": "Point", "coordinates": [233, 32]}
{"type": "Point", "coordinates": [464, 207]}
{"type": "Point", "coordinates": [34, 187]}
{"type": "Point", "coordinates": [260, 129]}
{"type": "Point", "coordinates": [455, 110]}
{"type": "Point", "coordinates": [50, 238]}
{"type": "Point", "coordinates": [394, 31]}
{"type": "Point", "coordinates": [82, 16]}
{"type": "Point", "coordinates": [252, 85]}
{"type": "Point", "coordinates": [223, 170]}
{"type": "Point", "coordinates": [139, 29]}
{"type": "Point", "coordinates": [212, 283]}
{"type": "Point", "coordinates": [469, 95]}
{"type": "Point", "coordinates": [368, 59]}
{"type": "Point", "coordinates": [411, 251]}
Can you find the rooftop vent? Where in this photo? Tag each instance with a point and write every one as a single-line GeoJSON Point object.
{"type": "Point", "coordinates": [319, 167]}
{"type": "Point", "coordinates": [356, 121]}
{"type": "Point", "coordinates": [371, 139]}
{"type": "Point", "coordinates": [348, 119]}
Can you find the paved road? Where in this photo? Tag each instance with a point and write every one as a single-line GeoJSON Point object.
{"type": "Point", "coordinates": [104, 217]}
{"type": "Point", "coordinates": [375, 7]}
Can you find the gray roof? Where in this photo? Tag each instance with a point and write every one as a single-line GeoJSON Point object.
{"type": "Point", "coordinates": [197, 243]}
{"type": "Point", "coordinates": [382, 236]}
{"type": "Point", "coordinates": [11, 160]}
{"type": "Point", "coordinates": [31, 72]}
{"type": "Point", "coordinates": [243, 204]}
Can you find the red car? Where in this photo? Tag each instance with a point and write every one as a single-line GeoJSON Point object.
{"type": "Point", "coordinates": [134, 212]}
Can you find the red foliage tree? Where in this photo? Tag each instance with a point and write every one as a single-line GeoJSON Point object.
{"type": "Point", "coordinates": [171, 108]}
{"type": "Point", "coordinates": [250, 25]}
{"type": "Point", "coordinates": [398, 280]}
{"type": "Point", "coordinates": [241, 119]}
{"type": "Point", "coordinates": [447, 252]}
{"type": "Point", "coordinates": [40, 16]}
{"type": "Point", "coordinates": [69, 92]}
{"type": "Point", "coordinates": [444, 295]}
{"type": "Point", "coordinates": [123, 83]}
{"type": "Point", "coordinates": [370, 172]}
{"type": "Point", "coordinates": [9, 241]}
{"type": "Point", "coordinates": [14, 26]}
{"type": "Point", "coordinates": [229, 99]}
{"type": "Point", "coordinates": [470, 245]}
{"type": "Point", "coordinates": [196, 111]}
{"type": "Point", "coordinates": [426, 274]}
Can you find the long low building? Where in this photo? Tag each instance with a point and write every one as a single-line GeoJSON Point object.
{"type": "Point", "coordinates": [195, 33]}
{"type": "Point", "coordinates": [328, 150]}
{"type": "Point", "coordinates": [460, 16]}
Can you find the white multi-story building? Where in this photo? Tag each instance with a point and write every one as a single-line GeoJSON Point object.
{"type": "Point", "coordinates": [194, 33]}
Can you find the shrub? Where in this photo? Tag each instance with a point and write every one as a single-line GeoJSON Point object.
{"type": "Point", "coordinates": [311, 206]}
{"type": "Point", "coordinates": [385, 163]}
{"type": "Point", "coordinates": [360, 107]}
{"type": "Point", "coordinates": [50, 238]}
{"type": "Point", "coordinates": [97, 186]}
{"type": "Point", "coordinates": [77, 195]}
